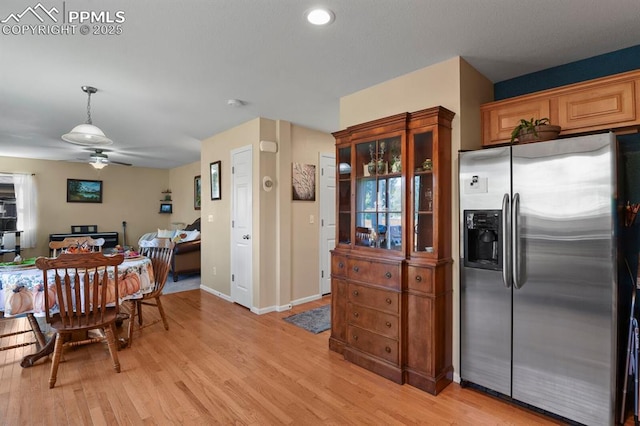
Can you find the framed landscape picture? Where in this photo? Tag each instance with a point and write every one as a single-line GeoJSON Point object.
{"type": "Point", "coordinates": [84, 191]}
{"type": "Point", "coordinates": [197, 192]}
{"type": "Point", "coordinates": [215, 180]}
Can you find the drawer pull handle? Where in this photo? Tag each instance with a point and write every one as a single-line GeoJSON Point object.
{"type": "Point", "coordinates": [387, 349]}
{"type": "Point", "coordinates": [340, 265]}
{"type": "Point", "coordinates": [355, 292]}
{"type": "Point", "coordinates": [388, 275]}
{"type": "Point", "coordinates": [418, 278]}
{"type": "Point", "coordinates": [356, 269]}
{"type": "Point", "coordinates": [388, 324]}
{"type": "Point", "coordinates": [355, 314]}
{"type": "Point", "coordinates": [388, 300]}
{"type": "Point", "coordinates": [355, 337]}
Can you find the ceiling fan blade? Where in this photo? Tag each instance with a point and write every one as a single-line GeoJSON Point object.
{"type": "Point", "coordinates": [120, 163]}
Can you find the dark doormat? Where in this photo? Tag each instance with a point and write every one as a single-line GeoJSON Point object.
{"type": "Point", "coordinates": [315, 320]}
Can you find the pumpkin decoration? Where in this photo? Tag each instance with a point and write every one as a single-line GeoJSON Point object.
{"type": "Point", "coordinates": [111, 293]}
{"type": "Point", "coordinates": [38, 297]}
{"type": "Point", "coordinates": [20, 300]}
{"type": "Point", "coordinates": [78, 249]}
{"type": "Point", "coordinates": [152, 277]}
{"type": "Point", "coordinates": [145, 281]}
{"type": "Point", "coordinates": [129, 284]}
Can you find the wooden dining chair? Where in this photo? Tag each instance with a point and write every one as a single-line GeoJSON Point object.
{"type": "Point", "coordinates": [87, 299]}
{"type": "Point", "coordinates": [160, 251]}
{"type": "Point", "coordinates": [363, 236]}
{"type": "Point", "coordinates": [82, 242]}
{"type": "Point", "coordinates": [40, 340]}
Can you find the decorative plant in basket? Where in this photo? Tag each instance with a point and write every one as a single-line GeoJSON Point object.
{"type": "Point", "coordinates": [534, 130]}
{"type": "Point", "coordinates": [377, 163]}
{"type": "Point", "coordinates": [396, 162]}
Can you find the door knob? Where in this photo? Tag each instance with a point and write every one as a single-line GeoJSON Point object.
{"type": "Point", "coordinates": [246, 237]}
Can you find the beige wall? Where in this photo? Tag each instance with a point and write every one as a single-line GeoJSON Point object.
{"type": "Point", "coordinates": [216, 215]}
{"type": "Point", "coordinates": [182, 181]}
{"type": "Point", "coordinates": [305, 251]}
{"type": "Point", "coordinates": [285, 248]}
{"type": "Point", "coordinates": [130, 194]}
{"type": "Point", "coordinates": [453, 84]}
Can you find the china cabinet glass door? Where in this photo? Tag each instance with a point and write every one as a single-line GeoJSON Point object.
{"type": "Point", "coordinates": [424, 196]}
{"type": "Point", "coordinates": [378, 209]}
{"type": "Point", "coordinates": [344, 195]}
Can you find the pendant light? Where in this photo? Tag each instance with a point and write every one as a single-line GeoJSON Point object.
{"type": "Point", "coordinates": [87, 134]}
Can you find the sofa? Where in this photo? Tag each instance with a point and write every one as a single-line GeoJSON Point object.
{"type": "Point", "coordinates": [186, 254]}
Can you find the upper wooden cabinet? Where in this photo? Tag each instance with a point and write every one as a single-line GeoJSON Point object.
{"type": "Point", "coordinates": [499, 122]}
{"type": "Point", "coordinates": [605, 103]}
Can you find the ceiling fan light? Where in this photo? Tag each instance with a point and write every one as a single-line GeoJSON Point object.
{"type": "Point", "coordinates": [99, 163]}
{"type": "Point", "coordinates": [88, 135]}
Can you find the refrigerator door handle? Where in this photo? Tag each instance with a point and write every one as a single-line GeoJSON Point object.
{"type": "Point", "coordinates": [506, 241]}
{"type": "Point", "coordinates": [515, 241]}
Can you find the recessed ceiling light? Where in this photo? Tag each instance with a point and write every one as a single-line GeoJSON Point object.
{"type": "Point", "coordinates": [320, 16]}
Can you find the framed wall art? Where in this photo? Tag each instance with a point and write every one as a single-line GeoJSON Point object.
{"type": "Point", "coordinates": [84, 191]}
{"type": "Point", "coordinates": [166, 208]}
{"type": "Point", "coordinates": [304, 182]}
{"type": "Point", "coordinates": [215, 180]}
{"type": "Point", "coordinates": [197, 192]}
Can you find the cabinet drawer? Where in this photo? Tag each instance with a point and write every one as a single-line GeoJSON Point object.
{"type": "Point", "coordinates": [369, 319]}
{"type": "Point", "coordinates": [601, 105]}
{"type": "Point", "coordinates": [384, 274]}
{"type": "Point", "coordinates": [420, 279]}
{"type": "Point", "coordinates": [338, 265]}
{"type": "Point", "coordinates": [378, 299]}
{"type": "Point", "coordinates": [374, 344]}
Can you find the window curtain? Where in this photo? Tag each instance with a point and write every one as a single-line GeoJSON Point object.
{"type": "Point", "coordinates": [26, 206]}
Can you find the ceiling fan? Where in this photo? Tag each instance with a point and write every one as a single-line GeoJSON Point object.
{"type": "Point", "coordinates": [99, 160]}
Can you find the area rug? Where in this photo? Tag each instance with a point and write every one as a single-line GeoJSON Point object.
{"type": "Point", "coordinates": [315, 320]}
{"type": "Point", "coordinates": [184, 283]}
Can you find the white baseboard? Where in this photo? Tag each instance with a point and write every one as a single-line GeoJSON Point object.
{"type": "Point", "coordinates": [306, 299]}
{"type": "Point", "coordinates": [216, 293]}
{"type": "Point", "coordinates": [268, 309]}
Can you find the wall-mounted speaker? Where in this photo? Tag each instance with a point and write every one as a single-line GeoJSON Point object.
{"type": "Point", "coordinates": [268, 146]}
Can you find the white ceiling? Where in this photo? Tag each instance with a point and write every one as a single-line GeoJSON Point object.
{"type": "Point", "coordinates": [165, 81]}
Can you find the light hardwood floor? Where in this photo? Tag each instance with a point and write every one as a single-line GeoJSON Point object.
{"type": "Point", "coordinates": [221, 364]}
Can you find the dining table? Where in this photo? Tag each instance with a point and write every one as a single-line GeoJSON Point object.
{"type": "Point", "coordinates": [22, 294]}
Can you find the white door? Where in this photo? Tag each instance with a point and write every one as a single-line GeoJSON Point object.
{"type": "Point", "coordinates": [327, 218]}
{"type": "Point", "coordinates": [241, 221]}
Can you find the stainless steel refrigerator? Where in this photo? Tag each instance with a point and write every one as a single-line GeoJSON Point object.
{"type": "Point", "coordinates": [538, 274]}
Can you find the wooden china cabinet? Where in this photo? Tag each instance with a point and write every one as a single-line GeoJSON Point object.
{"type": "Point", "coordinates": [391, 306]}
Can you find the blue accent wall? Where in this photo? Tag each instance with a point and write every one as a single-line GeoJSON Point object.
{"type": "Point", "coordinates": [587, 69]}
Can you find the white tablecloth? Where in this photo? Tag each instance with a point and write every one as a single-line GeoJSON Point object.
{"type": "Point", "coordinates": [22, 289]}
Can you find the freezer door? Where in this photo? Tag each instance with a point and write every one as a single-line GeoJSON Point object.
{"type": "Point", "coordinates": [485, 300]}
{"type": "Point", "coordinates": [565, 268]}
